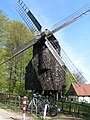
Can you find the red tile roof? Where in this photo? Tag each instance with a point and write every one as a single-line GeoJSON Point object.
{"type": "Point", "coordinates": [82, 89]}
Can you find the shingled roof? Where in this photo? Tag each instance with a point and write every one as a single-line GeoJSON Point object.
{"type": "Point", "coordinates": [82, 89]}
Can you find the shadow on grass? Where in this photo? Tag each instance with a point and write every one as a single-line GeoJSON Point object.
{"type": "Point", "coordinates": [86, 117]}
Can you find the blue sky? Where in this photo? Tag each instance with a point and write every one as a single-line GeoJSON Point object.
{"type": "Point", "coordinates": [74, 39]}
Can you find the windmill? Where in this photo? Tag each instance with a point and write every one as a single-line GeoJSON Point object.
{"type": "Point", "coordinates": [46, 70]}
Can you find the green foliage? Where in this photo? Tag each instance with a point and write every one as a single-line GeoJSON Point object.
{"type": "Point", "coordinates": [20, 87]}
{"type": "Point", "coordinates": [13, 35]}
{"type": "Point", "coordinates": [70, 80]}
{"type": "Point", "coordinates": [17, 35]}
{"type": "Point", "coordinates": [3, 70]}
{"type": "Point", "coordinates": [3, 22]}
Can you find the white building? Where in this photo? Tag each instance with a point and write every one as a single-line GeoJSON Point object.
{"type": "Point", "coordinates": [79, 92]}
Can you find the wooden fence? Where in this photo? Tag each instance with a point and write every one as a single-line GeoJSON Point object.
{"type": "Point", "coordinates": [74, 107]}
{"type": "Point", "coordinates": [14, 102]}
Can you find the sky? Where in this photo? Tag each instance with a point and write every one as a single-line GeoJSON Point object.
{"type": "Point", "coordinates": [74, 39]}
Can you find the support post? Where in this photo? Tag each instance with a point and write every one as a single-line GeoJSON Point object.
{"type": "Point", "coordinates": [24, 107]}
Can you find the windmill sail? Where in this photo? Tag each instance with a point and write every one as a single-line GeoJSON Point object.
{"type": "Point", "coordinates": [54, 52]}
{"type": "Point", "coordinates": [28, 17]}
{"type": "Point", "coordinates": [70, 19]}
{"type": "Point", "coordinates": [64, 60]}
{"type": "Point", "coordinates": [24, 12]}
{"type": "Point", "coordinates": [71, 67]}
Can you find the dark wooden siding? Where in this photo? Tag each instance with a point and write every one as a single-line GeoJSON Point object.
{"type": "Point", "coordinates": [43, 72]}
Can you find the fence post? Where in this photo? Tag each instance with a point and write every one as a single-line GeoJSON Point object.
{"type": "Point", "coordinates": [62, 105]}
{"type": "Point", "coordinates": [24, 107]}
{"type": "Point", "coordinates": [70, 108]}
{"type": "Point", "coordinates": [15, 103]}
{"type": "Point", "coordinates": [19, 98]}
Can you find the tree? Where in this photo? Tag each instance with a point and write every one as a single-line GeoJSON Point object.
{"type": "Point", "coordinates": [79, 77]}
{"type": "Point", "coordinates": [70, 80]}
{"type": "Point", "coordinates": [3, 22]}
{"type": "Point", "coordinates": [3, 70]}
{"type": "Point", "coordinates": [17, 35]}
{"type": "Point", "coordinates": [13, 34]}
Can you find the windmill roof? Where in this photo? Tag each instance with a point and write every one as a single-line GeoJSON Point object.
{"type": "Point", "coordinates": [82, 89]}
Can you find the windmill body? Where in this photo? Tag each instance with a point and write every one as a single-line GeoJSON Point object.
{"type": "Point", "coordinates": [44, 72]}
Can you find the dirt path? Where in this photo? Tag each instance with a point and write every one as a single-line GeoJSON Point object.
{"type": "Point", "coordinates": [9, 115]}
